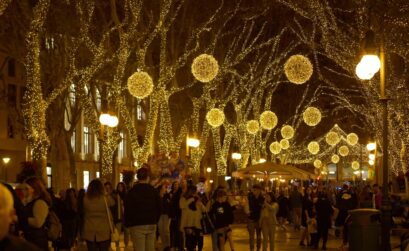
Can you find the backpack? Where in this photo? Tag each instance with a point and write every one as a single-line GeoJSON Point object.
{"type": "Point", "coordinates": [53, 226]}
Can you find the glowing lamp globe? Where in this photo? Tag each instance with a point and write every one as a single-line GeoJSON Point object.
{"type": "Point", "coordinates": [352, 139]}
{"type": "Point", "coordinates": [343, 151]}
{"type": "Point", "coordinates": [205, 68]}
{"type": "Point", "coordinates": [140, 85]}
{"type": "Point", "coordinates": [362, 72]}
{"type": "Point", "coordinates": [287, 132]}
{"type": "Point", "coordinates": [332, 138]}
{"type": "Point", "coordinates": [317, 163]}
{"type": "Point", "coordinates": [371, 156]}
{"type": "Point", "coordinates": [262, 160]}
{"type": "Point", "coordinates": [252, 126]}
{"type": "Point", "coordinates": [371, 146]}
{"type": "Point", "coordinates": [285, 144]}
{"type": "Point", "coordinates": [268, 120]}
{"type": "Point", "coordinates": [312, 116]}
{"type": "Point", "coordinates": [298, 69]}
{"type": "Point", "coordinates": [236, 156]}
{"type": "Point", "coordinates": [335, 159]}
{"type": "Point", "coordinates": [355, 165]}
{"type": "Point", "coordinates": [215, 117]}
{"type": "Point", "coordinates": [104, 118]}
{"type": "Point", "coordinates": [371, 162]}
{"type": "Point", "coordinates": [313, 147]}
{"type": "Point", "coordinates": [113, 121]}
{"type": "Point", "coordinates": [275, 147]}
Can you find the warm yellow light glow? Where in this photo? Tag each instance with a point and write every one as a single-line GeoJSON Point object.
{"type": "Point", "coordinates": [262, 160]}
{"type": "Point", "coordinates": [209, 169]}
{"type": "Point", "coordinates": [369, 65]}
{"type": "Point", "coordinates": [113, 121]}
{"type": "Point", "coordinates": [371, 146]}
{"type": "Point", "coordinates": [312, 116]}
{"type": "Point", "coordinates": [371, 162]}
{"type": "Point", "coordinates": [252, 126]}
{"type": "Point", "coordinates": [352, 139]}
{"type": "Point", "coordinates": [135, 163]}
{"type": "Point", "coordinates": [343, 151]}
{"type": "Point", "coordinates": [362, 72]}
{"type": "Point", "coordinates": [104, 118]}
{"type": "Point", "coordinates": [215, 117]}
{"type": "Point", "coordinates": [275, 147]}
{"type": "Point", "coordinates": [140, 84]}
{"type": "Point", "coordinates": [192, 142]}
{"type": "Point", "coordinates": [287, 132]}
{"type": "Point", "coordinates": [355, 165]}
{"type": "Point", "coordinates": [298, 69]}
{"type": "Point", "coordinates": [6, 160]}
{"type": "Point", "coordinates": [332, 138]}
{"type": "Point", "coordinates": [268, 120]}
{"type": "Point", "coordinates": [211, 181]}
{"type": "Point", "coordinates": [285, 144]}
{"type": "Point", "coordinates": [335, 159]}
{"type": "Point", "coordinates": [317, 163]}
{"type": "Point", "coordinates": [205, 68]}
{"type": "Point", "coordinates": [372, 156]}
{"type": "Point", "coordinates": [313, 147]}
{"type": "Point", "coordinates": [236, 156]}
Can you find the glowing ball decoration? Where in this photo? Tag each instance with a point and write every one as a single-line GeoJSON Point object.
{"type": "Point", "coordinates": [268, 120]}
{"type": "Point", "coordinates": [332, 138]}
{"type": "Point", "coordinates": [355, 165]}
{"type": "Point", "coordinates": [287, 132]}
{"type": "Point", "coordinates": [215, 117]}
{"type": "Point", "coordinates": [285, 144]}
{"type": "Point", "coordinates": [313, 147]}
{"type": "Point", "coordinates": [205, 68]}
{"type": "Point", "coordinates": [317, 163]}
{"type": "Point", "coordinates": [252, 126]}
{"type": "Point", "coordinates": [352, 139]}
{"type": "Point", "coordinates": [140, 84]}
{"type": "Point", "coordinates": [343, 151]}
{"type": "Point", "coordinates": [275, 147]}
{"type": "Point", "coordinates": [335, 159]}
{"type": "Point", "coordinates": [312, 116]}
{"type": "Point", "coordinates": [298, 69]}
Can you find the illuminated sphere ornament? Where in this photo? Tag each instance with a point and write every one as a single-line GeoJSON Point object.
{"type": "Point", "coordinates": [140, 84]}
{"type": "Point", "coordinates": [275, 147]}
{"type": "Point", "coordinates": [352, 139]}
{"type": "Point", "coordinates": [312, 116]}
{"type": "Point", "coordinates": [313, 147]}
{"type": "Point", "coordinates": [253, 126]}
{"type": "Point", "coordinates": [284, 143]}
{"type": "Point", "coordinates": [335, 159]}
{"type": "Point", "coordinates": [298, 69]}
{"type": "Point", "coordinates": [215, 117]}
{"type": "Point", "coordinates": [355, 165]}
{"type": "Point", "coordinates": [287, 132]}
{"type": "Point", "coordinates": [332, 138]}
{"type": "Point", "coordinates": [343, 151]}
{"type": "Point", "coordinates": [317, 163]}
{"type": "Point", "coordinates": [205, 68]}
{"type": "Point", "coordinates": [268, 120]}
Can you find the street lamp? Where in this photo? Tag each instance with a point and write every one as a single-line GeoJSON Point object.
{"type": "Point", "coordinates": [192, 142]}
{"type": "Point", "coordinates": [6, 160]}
{"type": "Point", "coordinates": [209, 170]}
{"type": "Point", "coordinates": [369, 65]}
{"type": "Point", "coordinates": [236, 156]}
{"type": "Point", "coordinates": [262, 160]}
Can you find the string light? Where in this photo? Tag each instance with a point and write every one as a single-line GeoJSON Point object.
{"type": "Point", "coordinates": [285, 144]}
{"type": "Point", "coordinates": [335, 158]}
{"type": "Point", "coordinates": [352, 139]}
{"type": "Point", "coordinates": [252, 126]}
{"type": "Point", "coordinates": [343, 151]}
{"type": "Point", "coordinates": [298, 69]}
{"type": "Point", "coordinates": [332, 138]}
{"type": "Point", "coordinates": [268, 120]}
{"type": "Point", "coordinates": [317, 163]}
{"type": "Point", "coordinates": [312, 116]}
{"type": "Point", "coordinates": [205, 68]}
{"type": "Point", "coordinates": [140, 85]}
{"type": "Point", "coordinates": [275, 147]}
{"type": "Point", "coordinates": [313, 147]}
{"type": "Point", "coordinates": [215, 117]}
{"type": "Point", "coordinates": [355, 165]}
{"type": "Point", "coordinates": [287, 132]}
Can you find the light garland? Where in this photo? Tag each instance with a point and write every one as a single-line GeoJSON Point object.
{"type": "Point", "coordinates": [355, 165]}
{"type": "Point", "coordinates": [285, 144]}
{"type": "Point", "coordinates": [287, 132]}
{"type": "Point", "coordinates": [215, 117]}
{"type": "Point", "coordinates": [343, 151]}
{"type": "Point", "coordinates": [298, 69]}
{"type": "Point", "coordinates": [268, 120]}
{"type": "Point", "coordinates": [335, 158]}
{"type": "Point", "coordinates": [205, 68]}
{"type": "Point", "coordinates": [140, 85]}
{"type": "Point", "coordinates": [317, 163]}
{"type": "Point", "coordinates": [252, 126]}
{"type": "Point", "coordinates": [312, 116]}
{"type": "Point", "coordinates": [332, 138]}
{"type": "Point", "coordinates": [275, 147]}
{"type": "Point", "coordinates": [352, 139]}
{"type": "Point", "coordinates": [313, 147]}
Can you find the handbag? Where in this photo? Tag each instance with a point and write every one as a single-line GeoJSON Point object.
{"type": "Point", "coordinates": [114, 231]}
{"type": "Point", "coordinates": [207, 224]}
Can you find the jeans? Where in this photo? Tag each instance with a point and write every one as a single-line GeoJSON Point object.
{"type": "Point", "coordinates": [254, 228]}
{"type": "Point", "coordinates": [297, 217]}
{"type": "Point", "coordinates": [120, 226]}
{"type": "Point", "coordinates": [143, 237]}
{"type": "Point", "coordinates": [98, 245]}
{"type": "Point", "coordinates": [164, 233]}
{"type": "Point", "coordinates": [268, 231]}
{"type": "Point", "coordinates": [215, 242]}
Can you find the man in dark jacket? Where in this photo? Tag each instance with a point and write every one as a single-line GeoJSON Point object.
{"type": "Point", "coordinates": [255, 204]}
{"type": "Point", "coordinates": [142, 211]}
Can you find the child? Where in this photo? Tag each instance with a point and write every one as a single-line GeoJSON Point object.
{"type": "Point", "coordinates": [221, 213]}
{"type": "Point", "coordinates": [312, 230]}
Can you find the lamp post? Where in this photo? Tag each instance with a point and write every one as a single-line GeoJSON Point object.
{"type": "Point", "coordinates": [6, 160]}
{"type": "Point", "coordinates": [191, 143]}
{"type": "Point", "coordinates": [369, 65]}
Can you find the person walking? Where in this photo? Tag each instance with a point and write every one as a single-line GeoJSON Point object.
{"type": "Point", "coordinates": [253, 209]}
{"type": "Point", "coordinates": [268, 221]}
{"type": "Point", "coordinates": [119, 225]}
{"type": "Point", "coordinates": [142, 211]}
{"type": "Point", "coordinates": [296, 207]}
{"type": "Point", "coordinates": [324, 212]}
{"type": "Point", "coordinates": [69, 220]}
{"type": "Point", "coordinates": [283, 209]}
{"type": "Point", "coordinates": [96, 230]}
{"type": "Point", "coordinates": [164, 220]}
{"type": "Point", "coordinates": [307, 207]}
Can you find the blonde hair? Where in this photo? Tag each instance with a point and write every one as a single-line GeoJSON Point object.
{"type": "Point", "coordinates": [6, 200]}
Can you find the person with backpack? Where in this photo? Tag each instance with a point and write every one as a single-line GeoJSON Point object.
{"type": "Point", "coordinates": [36, 212]}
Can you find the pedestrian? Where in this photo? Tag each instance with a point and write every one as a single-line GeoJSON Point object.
{"type": "Point", "coordinates": [96, 230]}
{"type": "Point", "coordinates": [69, 220]}
{"type": "Point", "coordinates": [10, 242]}
{"type": "Point", "coordinates": [164, 220]}
{"type": "Point", "coordinates": [283, 209]}
{"type": "Point", "coordinates": [296, 207]}
{"type": "Point", "coordinates": [307, 207]}
{"type": "Point", "coordinates": [176, 236]}
{"type": "Point", "coordinates": [253, 209]}
{"type": "Point", "coordinates": [120, 226]}
{"type": "Point", "coordinates": [268, 221]}
{"type": "Point", "coordinates": [36, 212]}
{"type": "Point", "coordinates": [324, 212]}
{"type": "Point", "coordinates": [142, 211]}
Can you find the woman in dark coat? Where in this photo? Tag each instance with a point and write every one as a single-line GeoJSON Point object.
{"type": "Point", "coordinates": [283, 209]}
{"type": "Point", "coordinates": [324, 212]}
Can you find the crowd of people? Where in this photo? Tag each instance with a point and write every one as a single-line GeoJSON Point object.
{"type": "Point", "coordinates": [177, 213]}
